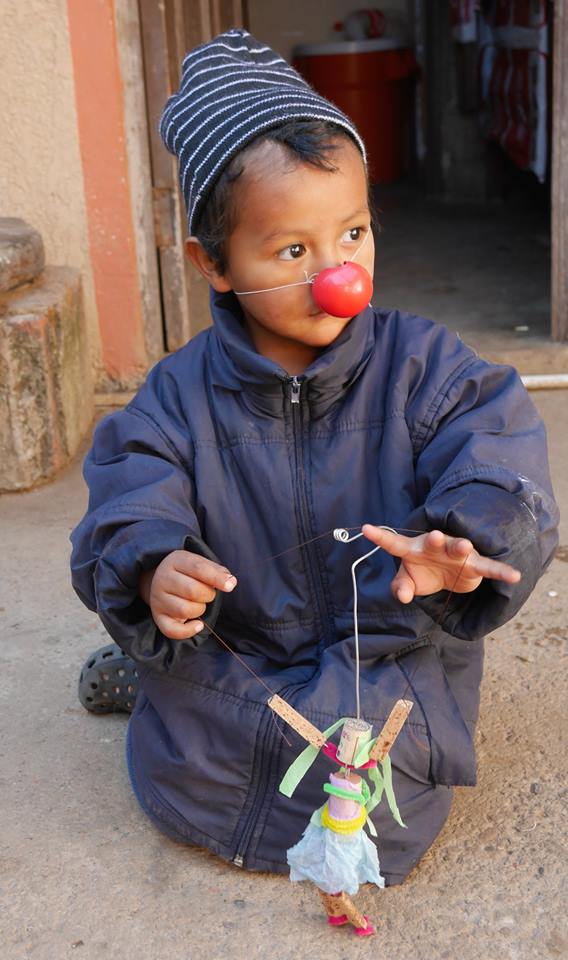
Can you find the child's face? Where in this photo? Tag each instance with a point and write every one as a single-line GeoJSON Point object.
{"type": "Point", "coordinates": [292, 219]}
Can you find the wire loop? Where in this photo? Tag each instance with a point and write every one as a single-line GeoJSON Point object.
{"type": "Point", "coordinates": [343, 535]}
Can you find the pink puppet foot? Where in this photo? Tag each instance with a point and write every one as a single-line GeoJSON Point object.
{"type": "Point", "coordinates": [338, 921]}
{"type": "Point", "coordinates": [335, 902]}
{"type": "Point", "coordinates": [366, 931]}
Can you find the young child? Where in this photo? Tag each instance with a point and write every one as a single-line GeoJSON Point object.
{"type": "Point", "coordinates": [211, 492]}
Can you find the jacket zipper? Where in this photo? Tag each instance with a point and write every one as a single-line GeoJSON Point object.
{"type": "Point", "coordinates": [295, 390]}
{"type": "Point", "coordinates": [260, 793]}
{"type": "Point", "coordinates": [270, 732]}
{"type": "Point", "coordinates": [269, 736]}
{"type": "Point", "coordinates": [306, 530]}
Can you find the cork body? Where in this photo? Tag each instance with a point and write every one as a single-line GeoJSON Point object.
{"type": "Point", "coordinates": [353, 735]}
{"type": "Point", "coordinates": [338, 807]}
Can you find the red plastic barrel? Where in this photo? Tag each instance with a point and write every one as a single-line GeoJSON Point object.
{"type": "Point", "coordinates": [369, 81]}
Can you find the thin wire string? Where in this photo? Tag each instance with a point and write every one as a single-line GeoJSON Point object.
{"type": "Point", "coordinates": [341, 534]}
{"type": "Point", "coordinates": [297, 546]}
{"type": "Point", "coordinates": [253, 674]}
{"type": "Point", "coordinates": [356, 628]}
{"type": "Point", "coordinates": [240, 659]}
{"type": "Point", "coordinates": [309, 278]}
{"type": "Point", "coordinates": [321, 536]}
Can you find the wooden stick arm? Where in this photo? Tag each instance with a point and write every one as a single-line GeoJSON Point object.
{"type": "Point", "coordinates": [297, 721]}
{"type": "Point", "coordinates": [391, 730]}
{"type": "Point", "coordinates": [307, 731]}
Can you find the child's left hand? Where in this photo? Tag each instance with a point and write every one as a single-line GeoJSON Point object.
{"type": "Point", "coordinates": [435, 561]}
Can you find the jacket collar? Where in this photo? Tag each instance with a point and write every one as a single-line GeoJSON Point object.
{"type": "Point", "coordinates": [236, 365]}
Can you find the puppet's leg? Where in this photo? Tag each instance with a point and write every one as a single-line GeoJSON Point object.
{"type": "Point", "coordinates": [341, 909]}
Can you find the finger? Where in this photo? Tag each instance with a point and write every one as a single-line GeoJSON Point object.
{"type": "Point", "coordinates": [491, 569]}
{"type": "Point", "coordinates": [459, 547]}
{"type": "Point", "coordinates": [403, 586]}
{"type": "Point", "coordinates": [442, 544]}
{"type": "Point", "coordinates": [433, 542]}
{"type": "Point", "coordinates": [180, 585]}
{"type": "Point", "coordinates": [394, 543]}
{"type": "Point", "coordinates": [204, 570]}
{"type": "Point", "coordinates": [176, 630]}
{"type": "Point", "coordinates": [179, 609]}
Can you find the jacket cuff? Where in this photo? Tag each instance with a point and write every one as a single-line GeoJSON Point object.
{"type": "Point", "coordinates": [135, 548]}
{"type": "Point", "coordinates": [500, 526]}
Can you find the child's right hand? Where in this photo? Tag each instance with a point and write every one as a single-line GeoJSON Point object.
{"type": "Point", "coordinates": [178, 590]}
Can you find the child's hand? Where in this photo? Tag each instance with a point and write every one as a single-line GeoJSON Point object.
{"type": "Point", "coordinates": [178, 590]}
{"type": "Point", "coordinates": [434, 561]}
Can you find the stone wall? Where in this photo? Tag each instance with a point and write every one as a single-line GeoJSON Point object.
{"type": "Point", "coordinates": [41, 177]}
{"type": "Point", "coordinates": [46, 376]}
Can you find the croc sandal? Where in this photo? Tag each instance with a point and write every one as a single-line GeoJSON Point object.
{"type": "Point", "coordinates": [109, 681]}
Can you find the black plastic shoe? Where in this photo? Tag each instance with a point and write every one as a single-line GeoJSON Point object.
{"type": "Point", "coordinates": [109, 681]}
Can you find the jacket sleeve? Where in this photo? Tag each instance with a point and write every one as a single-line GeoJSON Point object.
{"type": "Point", "coordinates": [482, 473]}
{"type": "Point", "coordinates": [140, 509]}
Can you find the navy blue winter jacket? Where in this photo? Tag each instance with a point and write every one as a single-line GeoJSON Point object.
{"type": "Point", "coordinates": [396, 423]}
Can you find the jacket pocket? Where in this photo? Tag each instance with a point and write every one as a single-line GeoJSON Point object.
{"type": "Point", "coordinates": [193, 750]}
{"type": "Point", "coordinates": [452, 754]}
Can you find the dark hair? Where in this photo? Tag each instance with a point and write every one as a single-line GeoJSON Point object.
{"type": "Point", "coordinates": [307, 141]}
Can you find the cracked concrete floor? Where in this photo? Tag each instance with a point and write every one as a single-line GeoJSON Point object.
{"type": "Point", "coordinates": [84, 876]}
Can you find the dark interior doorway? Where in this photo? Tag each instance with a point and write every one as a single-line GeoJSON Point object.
{"type": "Point", "coordinates": [481, 269]}
{"type": "Point", "coordinates": [468, 237]}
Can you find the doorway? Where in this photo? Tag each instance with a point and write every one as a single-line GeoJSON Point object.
{"type": "Point", "coordinates": [168, 30]}
{"type": "Point", "coordinates": [468, 237]}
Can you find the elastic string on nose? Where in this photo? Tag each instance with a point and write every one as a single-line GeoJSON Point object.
{"type": "Point", "coordinates": [361, 245]}
{"type": "Point", "coordinates": [298, 283]}
{"type": "Point", "coordinates": [309, 278]}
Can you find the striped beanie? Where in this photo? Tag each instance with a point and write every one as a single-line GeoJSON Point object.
{"type": "Point", "coordinates": [232, 89]}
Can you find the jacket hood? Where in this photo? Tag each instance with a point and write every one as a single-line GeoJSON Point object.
{"type": "Point", "coordinates": [236, 364]}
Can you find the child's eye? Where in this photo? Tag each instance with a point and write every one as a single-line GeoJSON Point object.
{"type": "Point", "coordinates": [351, 235]}
{"type": "Point", "coordinates": [292, 252]}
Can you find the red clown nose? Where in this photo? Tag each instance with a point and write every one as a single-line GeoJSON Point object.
{"type": "Point", "coordinates": [343, 291]}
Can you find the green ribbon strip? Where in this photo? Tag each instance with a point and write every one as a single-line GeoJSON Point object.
{"type": "Point", "coordinates": [362, 755]}
{"type": "Point", "coordinates": [381, 779]}
{"type": "Point", "coordinates": [378, 782]}
{"type": "Point", "coordinates": [298, 769]}
{"type": "Point", "coordinates": [371, 827]}
{"type": "Point", "coordinates": [383, 783]}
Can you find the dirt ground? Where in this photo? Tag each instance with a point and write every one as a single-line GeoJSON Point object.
{"type": "Point", "coordinates": [84, 876]}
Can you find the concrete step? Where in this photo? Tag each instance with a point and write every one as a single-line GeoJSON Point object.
{"type": "Point", "coordinates": [46, 382]}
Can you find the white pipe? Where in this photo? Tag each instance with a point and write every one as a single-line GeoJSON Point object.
{"type": "Point", "coordinates": [532, 381]}
{"type": "Point", "coordinates": [546, 381]}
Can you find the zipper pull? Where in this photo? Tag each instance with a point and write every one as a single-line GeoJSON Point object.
{"type": "Point", "coordinates": [296, 389]}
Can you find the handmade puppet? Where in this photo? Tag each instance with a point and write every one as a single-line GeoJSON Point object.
{"type": "Point", "coordinates": [335, 853]}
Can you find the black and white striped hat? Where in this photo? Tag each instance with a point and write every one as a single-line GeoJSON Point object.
{"type": "Point", "coordinates": [232, 89]}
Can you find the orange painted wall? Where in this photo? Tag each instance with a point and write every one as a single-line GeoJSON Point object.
{"type": "Point", "coordinates": [98, 92]}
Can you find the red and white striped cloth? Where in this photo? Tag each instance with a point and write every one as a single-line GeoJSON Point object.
{"type": "Point", "coordinates": [514, 51]}
{"type": "Point", "coordinates": [463, 20]}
